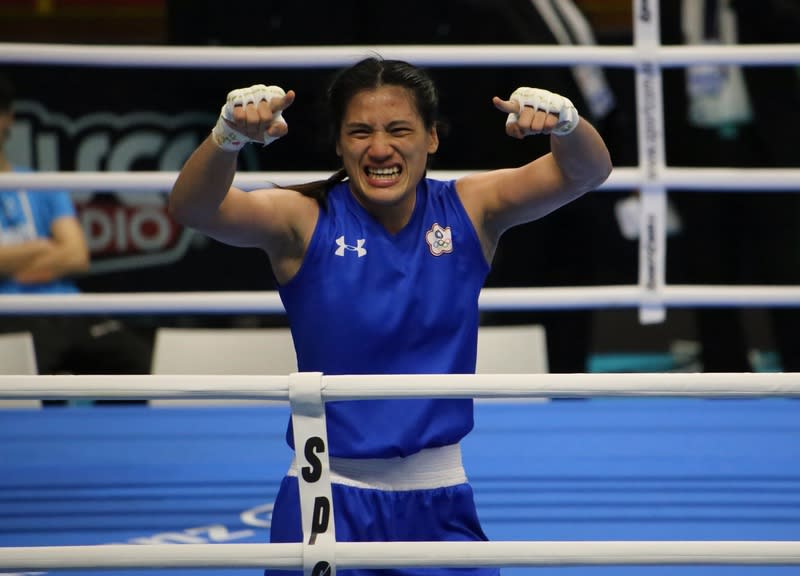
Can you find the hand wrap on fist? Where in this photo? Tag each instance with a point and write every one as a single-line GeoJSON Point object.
{"type": "Point", "coordinates": [226, 136]}
{"type": "Point", "coordinates": [549, 102]}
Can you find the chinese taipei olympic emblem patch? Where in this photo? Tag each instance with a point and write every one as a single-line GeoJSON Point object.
{"type": "Point", "coordinates": [440, 240]}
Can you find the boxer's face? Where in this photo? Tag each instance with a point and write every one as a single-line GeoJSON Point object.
{"type": "Point", "coordinates": [384, 145]}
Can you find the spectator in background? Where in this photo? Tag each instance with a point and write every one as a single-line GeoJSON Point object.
{"type": "Point", "coordinates": [740, 117]}
{"type": "Point", "coordinates": [41, 240]}
{"type": "Point", "coordinates": [42, 249]}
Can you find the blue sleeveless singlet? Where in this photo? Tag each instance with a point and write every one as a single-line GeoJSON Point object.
{"type": "Point", "coordinates": [369, 302]}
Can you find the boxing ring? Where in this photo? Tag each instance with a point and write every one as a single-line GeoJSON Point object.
{"type": "Point", "coordinates": [623, 474]}
{"type": "Point", "coordinates": [618, 479]}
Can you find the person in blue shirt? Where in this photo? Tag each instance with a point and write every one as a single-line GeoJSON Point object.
{"type": "Point", "coordinates": [41, 240]}
{"type": "Point", "coordinates": [43, 250]}
{"type": "Point", "coordinates": [379, 269]}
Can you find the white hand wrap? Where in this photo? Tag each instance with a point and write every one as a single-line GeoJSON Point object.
{"type": "Point", "coordinates": [228, 138]}
{"type": "Point", "coordinates": [550, 102]}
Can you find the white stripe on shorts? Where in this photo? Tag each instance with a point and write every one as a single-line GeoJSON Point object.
{"type": "Point", "coordinates": [427, 469]}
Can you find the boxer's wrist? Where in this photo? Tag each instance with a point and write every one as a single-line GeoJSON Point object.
{"type": "Point", "coordinates": [226, 137]}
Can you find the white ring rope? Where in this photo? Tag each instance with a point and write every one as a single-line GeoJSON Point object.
{"type": "Point", "coordinates": [728, 179]}
{"type": "Point", "coordinates": [424, 55]}
{"type": "Point", "coordinates": [491, 299]}
{"type": "Point", "coordinates": [373, 386]}
{"type": "Point", "coordinates": [375, 555]}
{"type": "Point", "coordinates": [466, 55]}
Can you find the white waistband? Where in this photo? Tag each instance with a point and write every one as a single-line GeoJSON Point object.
{"type": "Point", "coordinates": [429, 468]}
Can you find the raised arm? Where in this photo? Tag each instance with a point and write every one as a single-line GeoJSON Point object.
{"type": "Point", "coordinates": [203, 197]}
{"type": "Point", "coordinates": [578, 162]}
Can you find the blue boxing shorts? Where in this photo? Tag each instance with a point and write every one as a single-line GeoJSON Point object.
{"type": "Point", "coordinates": [379, 501]}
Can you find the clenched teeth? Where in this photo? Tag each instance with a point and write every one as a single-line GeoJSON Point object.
{"type": "Point", "coordinates": [383, 172]}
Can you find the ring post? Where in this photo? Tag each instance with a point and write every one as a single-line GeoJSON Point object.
{"type": "Point", "coordinates": [313, 473]}
{"type": "Point", "coordinates": [650, 125]}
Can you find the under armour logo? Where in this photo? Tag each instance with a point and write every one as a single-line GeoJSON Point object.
{"type": "Point", "coordinates": [358, 248]}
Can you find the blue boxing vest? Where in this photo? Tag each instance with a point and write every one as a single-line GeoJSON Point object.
{"type": "Point", "coordinates": [369, 302]}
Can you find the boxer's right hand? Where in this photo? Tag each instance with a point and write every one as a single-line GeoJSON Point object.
{"type": "Point", "coordinates": [253, 114]}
